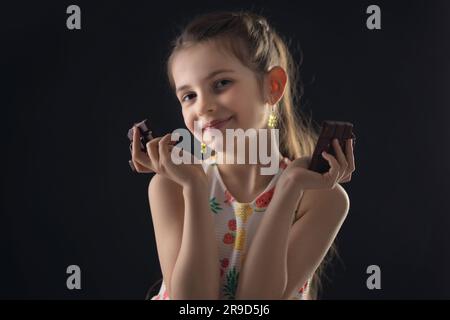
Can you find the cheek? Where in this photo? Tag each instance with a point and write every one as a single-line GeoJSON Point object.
{"type": "Point", "coordinates": [189, 122]}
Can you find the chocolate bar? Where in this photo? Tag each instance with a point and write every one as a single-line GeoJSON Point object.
{"type": "Point", "coordinates": [330, 130]}
{"type": "Point", "coordinates": [145, 134]}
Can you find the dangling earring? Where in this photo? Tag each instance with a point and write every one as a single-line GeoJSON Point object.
{"type": "Point", "coordinates": [272, 123]}
{"type": "Point", "coordinates": [203, 148]}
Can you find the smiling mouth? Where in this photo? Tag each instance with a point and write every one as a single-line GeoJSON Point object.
{"type": "Point", "coordinates": [216, 124]}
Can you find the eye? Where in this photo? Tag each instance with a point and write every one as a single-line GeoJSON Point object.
{"type": "Point", "coordinates": [184, 97]}
{"type": "Point", "coordinates": [224, 82]}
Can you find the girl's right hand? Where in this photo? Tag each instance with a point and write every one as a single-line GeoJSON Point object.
{"type": "Point", "coordinates": [158, 159]}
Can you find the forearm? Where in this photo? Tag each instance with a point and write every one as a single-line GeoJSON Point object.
{"type": "Point", "coordinates": [196, 274]}
{"type": "Point", "coordinates": [269, 249]}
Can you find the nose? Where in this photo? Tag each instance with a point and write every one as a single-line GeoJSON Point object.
{"type": "Point", "coordinates": [206, 104]}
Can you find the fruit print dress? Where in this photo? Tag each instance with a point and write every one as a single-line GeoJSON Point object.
{"type": "Point", "coordinates": [235, 224]}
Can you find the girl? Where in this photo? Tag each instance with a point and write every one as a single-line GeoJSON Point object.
{"type": "Point", "coordinates": [225, 231]}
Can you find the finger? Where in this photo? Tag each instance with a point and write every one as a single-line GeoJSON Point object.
{"type": "Point", "coordinates": [351, 161]}
{"type": "Point", "coordinates": [340, 156]}
{"type": "Point", "coordinates": [347, 178]}
{"type": "Point", "coordinates": [332, 175]}
{"type": "Point", "coordinates": [163, 148]}
{"type": "Point", "coordinates": [137, 155]}
{"type": "Point", "coordinates": [140, 168]}
{"type": "Point", "coordinates": [136, 140]}
{"type": "Point", "coordinates": [350, 156]}
{"type": "Point", "coordinates": [153, 153]}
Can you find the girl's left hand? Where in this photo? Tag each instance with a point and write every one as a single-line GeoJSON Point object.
{"type": "Point", "coordinates": [341, 169]}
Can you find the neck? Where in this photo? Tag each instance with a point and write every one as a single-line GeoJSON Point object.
{"type": "Point", "coordinates": [255, 170]}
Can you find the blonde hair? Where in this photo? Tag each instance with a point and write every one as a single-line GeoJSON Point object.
{"type": "Point", "coordinates": [259, 47]}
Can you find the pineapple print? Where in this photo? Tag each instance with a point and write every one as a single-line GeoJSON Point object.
{"type": "Point", "coordinates": [240, 240]}
{"type": "Point", "coordinates": [214, 205]}
{"type": "Point", "coordinates": [243, 210]}
{"type": "Point", "coordinates": [231, 282]}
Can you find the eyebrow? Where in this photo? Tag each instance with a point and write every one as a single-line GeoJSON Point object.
{"type": "Point", "coordinates": [212, 74]}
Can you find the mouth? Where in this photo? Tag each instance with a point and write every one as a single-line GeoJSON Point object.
{"type": "Point", "coordinates": [216, 124]}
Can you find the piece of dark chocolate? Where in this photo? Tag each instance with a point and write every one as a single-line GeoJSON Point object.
{"type": "Point", "coordinates": [330, 130]}
{"type": "Point", "coordinates": [145, 134]}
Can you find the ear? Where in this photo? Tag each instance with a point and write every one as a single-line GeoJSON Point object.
{"type": "Point", "coordinates": [277, 79]}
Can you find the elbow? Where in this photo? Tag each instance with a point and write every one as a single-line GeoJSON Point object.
{"type": "Point", "coordinates": [341, 201]}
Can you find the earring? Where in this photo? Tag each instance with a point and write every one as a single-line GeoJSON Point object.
{"type": "Point", "coordinates": [272, 123]}
{"type": "Point", "coordinates": [203, 148]}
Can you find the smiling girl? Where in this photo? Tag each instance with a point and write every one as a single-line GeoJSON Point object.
{"type": "Point", "coordinates": [225, 231]}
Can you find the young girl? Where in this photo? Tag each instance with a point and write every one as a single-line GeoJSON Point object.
{"type": "Point", "coordinates": [225, 231]}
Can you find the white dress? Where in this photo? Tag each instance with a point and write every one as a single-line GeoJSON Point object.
{"type": "Point", "coordinates": [235, 224]}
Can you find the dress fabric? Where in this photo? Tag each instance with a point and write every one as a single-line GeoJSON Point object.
{"type": "Point", "coordinates": [235, 225]}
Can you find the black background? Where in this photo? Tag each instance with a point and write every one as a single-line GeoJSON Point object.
{"type": "Point", "coordinates": [69, 97]}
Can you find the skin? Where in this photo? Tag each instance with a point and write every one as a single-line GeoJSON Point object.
{"type": "Point", "coordinates": [184, 228]}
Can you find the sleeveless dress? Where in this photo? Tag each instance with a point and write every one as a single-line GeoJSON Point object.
{"type": "Point", "coordinates": [235, 225]}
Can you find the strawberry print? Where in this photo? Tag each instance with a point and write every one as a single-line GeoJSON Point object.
{"type": "Point", "coordinates": [224, 262]}
{"type": "Point", "coordinates": [228, 238]}
{"type": "Point", "coordinates": [223, 265]}
{"type": "Point", "coordinates": [232, 225]}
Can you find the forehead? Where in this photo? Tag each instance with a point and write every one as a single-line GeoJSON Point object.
{"type": "Point", "coordinates": [191, 65]}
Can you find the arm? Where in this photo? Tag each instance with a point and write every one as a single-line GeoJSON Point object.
{"type": "Point", "coordinates": [291, 254]}
{"type": "Point", "coordinates": [185, 235]}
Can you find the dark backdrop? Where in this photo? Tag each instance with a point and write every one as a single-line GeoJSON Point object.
{"type": "Point", "coordinates": [69, 97]}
